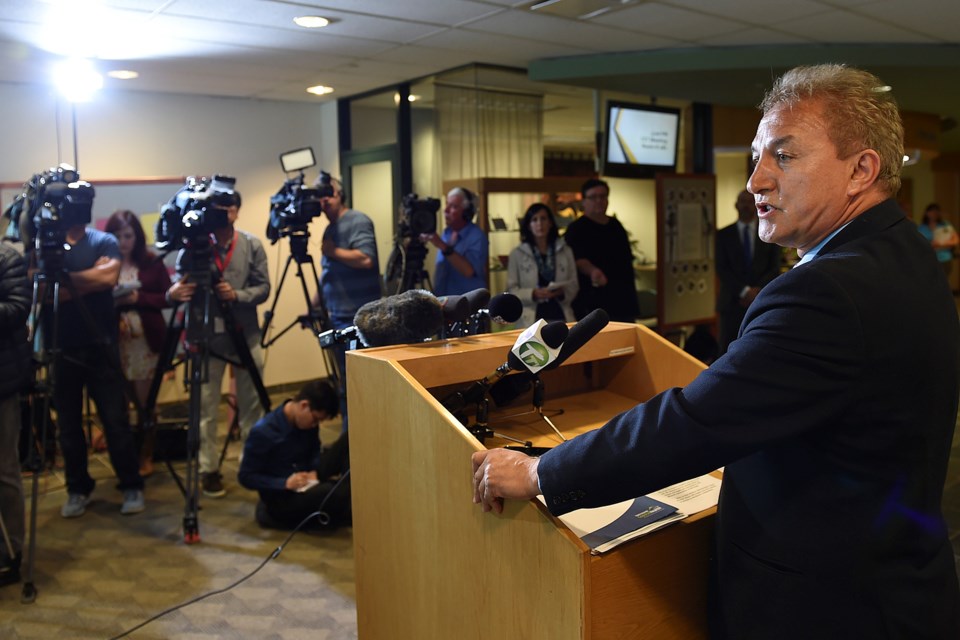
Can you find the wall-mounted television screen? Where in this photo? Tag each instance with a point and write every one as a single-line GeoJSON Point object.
{"type": "Point", "coordinates": [641, 140]}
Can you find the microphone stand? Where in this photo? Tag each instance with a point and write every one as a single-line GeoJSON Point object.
{"type": "Point", "coordinates": [481, 428]}
{"type": "Point", "coordinates": [538, 399]}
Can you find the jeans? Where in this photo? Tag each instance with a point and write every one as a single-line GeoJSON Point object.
{"type": "Point", "coordinates": [89, 366]}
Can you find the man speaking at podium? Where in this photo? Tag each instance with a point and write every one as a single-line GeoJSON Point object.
{"type": "Point", "coordinates": [833, 411]}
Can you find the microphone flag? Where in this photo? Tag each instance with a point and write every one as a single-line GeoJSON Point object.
{"type": "Point", "coordinates": [532, 349]}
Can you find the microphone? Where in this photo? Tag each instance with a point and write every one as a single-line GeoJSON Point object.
{"type": "Point", "coordinates": [505, 308]}
{"type": "Point", "coordinates": [539, 345]}
{"type": "Point", "coordinates": [551, 336]}
{"type": "Point", "coordinates": [455, 308]}
{"type": "Point", "coordinates": [579, 335]}
{"type": "Point", "coordinates": [477, 300]}
{"type": "Point", "coordinates": [408, 317]}
{"type": "Point", "coordinates": [464, 321]}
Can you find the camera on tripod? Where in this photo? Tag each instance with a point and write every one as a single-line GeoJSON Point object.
{"type": "Point", "coordinates": [295, 205]}
{"type": "Point", "coordinates": [198, 209]}
{"type": "Point", "coordinates": [51, 202]}
{"type": "Point", "coordinates": [404, 270]}
{"type": "Point", "coordinates": [417, 215]}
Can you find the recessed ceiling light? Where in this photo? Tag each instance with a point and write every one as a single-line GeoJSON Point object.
{"type": "Point", "coordinates": [319, 90]}
{"type": "Point", "coordinates": [411, 97]}
{"type": "Point", "coordinates": [123, 74]}
{"type": "Point", "coordinates": [311, 22]}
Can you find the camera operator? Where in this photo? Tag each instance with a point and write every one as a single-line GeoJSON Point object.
{"type": "Point", "coordinates": [241, 279]}
{"type": "Point", "coordinates": [14, 374]}
{"type": "Point", "coordinates": [462, 250]}
{"type": "Point", "coordinates": [351, 270]}
{"type": "Point", "coordinates": [93, 265]}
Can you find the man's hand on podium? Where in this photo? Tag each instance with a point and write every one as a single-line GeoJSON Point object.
{"type": "Point", "coordinates": [499, 474]}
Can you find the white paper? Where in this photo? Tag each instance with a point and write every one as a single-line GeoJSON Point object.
{"type": "Point", "coordinates": [691, 496]}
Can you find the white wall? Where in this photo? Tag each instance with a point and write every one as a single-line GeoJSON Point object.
{"type": "Point", "coordinates": [136, 135]}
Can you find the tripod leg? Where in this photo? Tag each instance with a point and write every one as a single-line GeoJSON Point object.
{"type": "Point", "coordinates": [268, 316]}
{"type": "Point", "coordinates": [233, 430]}
{"type": "Point", "coordinates": [165, 362]}
{"type": "Point", "coordinates": [43, 387]}
{"type": "Point", "coordinates": [321, 323]}
{"type": "Point", "coordinates": [191, 528]}
{"type": "Point", "coordinates": [538, 397]}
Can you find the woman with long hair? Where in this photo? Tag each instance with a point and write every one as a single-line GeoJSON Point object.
{"type": "Point", "coordinates": [139, 297]}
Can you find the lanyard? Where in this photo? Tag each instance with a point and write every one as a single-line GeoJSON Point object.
{"type": "Point", "coordinates": [223, 264]}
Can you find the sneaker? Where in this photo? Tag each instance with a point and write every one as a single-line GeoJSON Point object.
{"type": "Point", "coordinates": [132, 502]}
{"type": "Point", "coordinates": [75, 506]}
{"type": "Point", "coordinates": [212, 486]}
{"type": "Point", "coordinates": [10, 570]}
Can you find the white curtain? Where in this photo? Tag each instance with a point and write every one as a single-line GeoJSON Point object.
{"type": "Point", "coordinates": [488, 134]}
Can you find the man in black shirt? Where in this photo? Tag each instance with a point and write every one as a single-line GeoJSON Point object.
{"type": "Point", "coordinates": [604, 258]}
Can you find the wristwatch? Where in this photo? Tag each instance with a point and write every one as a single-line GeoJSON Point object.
{"type": "Point", "coordinates": [448, 250]}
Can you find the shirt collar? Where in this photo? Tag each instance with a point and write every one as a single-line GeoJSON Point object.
{"type": "Point", "coordinates": [810, 255]}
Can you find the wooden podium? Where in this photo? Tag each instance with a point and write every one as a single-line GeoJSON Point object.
{"type": "Point", "coordinates": [431, 565]}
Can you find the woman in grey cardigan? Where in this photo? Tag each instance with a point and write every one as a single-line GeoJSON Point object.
{"type": "Point", "coordinates": [542, 271]}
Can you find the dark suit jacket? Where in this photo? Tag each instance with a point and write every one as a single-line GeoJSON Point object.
{"type": "Point", "coordinates": [151, 298]}
{"type": "Point", "coordinates": [833, 413]}
{"type": "Point", "coordinates": [734, 274]}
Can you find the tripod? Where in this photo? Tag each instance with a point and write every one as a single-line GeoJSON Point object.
{"type": "Point", "coordinates": [481, 427]}
{"type": "Point", "coordinates": [45, 309]}
{"type": "Point", "coordinates": [538, 410]}
{"type": "Point", "coordinates": [316, 319]}
{"type": "Point", "coordinates": [404, 269]}
{"type": "Point", "coordinates": [197, 328]}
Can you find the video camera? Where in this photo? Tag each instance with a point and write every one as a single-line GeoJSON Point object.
{"type": "Point", "coordinates": [417, 215]}
{"type": "Point", "coordinates": [198, 209]}
{"type": "Point", "coordinates": [51, 202]}
{"type": "Point", "coordinates": [295, 205]}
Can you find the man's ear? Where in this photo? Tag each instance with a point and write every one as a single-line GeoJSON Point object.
{"type": "Point", "coordinates": [864, 172]}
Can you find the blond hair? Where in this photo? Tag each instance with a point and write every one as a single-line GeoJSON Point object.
{"type": "Point", "coordinates": [860, 110]}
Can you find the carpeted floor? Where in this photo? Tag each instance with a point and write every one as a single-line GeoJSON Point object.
{"type": "Point", "coordinates": [103, 573]}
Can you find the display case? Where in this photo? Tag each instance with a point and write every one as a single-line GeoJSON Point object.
{"type": "Point", "coordinates": [504, 236]}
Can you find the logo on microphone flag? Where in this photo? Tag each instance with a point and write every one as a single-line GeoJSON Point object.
{"type": "Point", "coordinates": [532, 349]}
{"type": "Point", "coordinates": [533, 354]}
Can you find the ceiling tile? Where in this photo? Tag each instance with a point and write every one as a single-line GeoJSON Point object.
{"type": "Point", "coordinates": [444, 12]}
{"type": "Point", "coordinates": [848, 27]}
{"type": "Point", "coordinates": [670, 22]}
{"type": "Point", "coordinates": [767, 13]}
{"type": "Point", "coordinates": [584, 34]}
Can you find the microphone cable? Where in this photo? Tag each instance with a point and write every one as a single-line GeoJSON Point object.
{"type": "Point", "coordinates": [322, 517]}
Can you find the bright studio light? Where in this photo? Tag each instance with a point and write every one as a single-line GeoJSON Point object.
{"type": "Point", "coordinates": [77, 80]}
